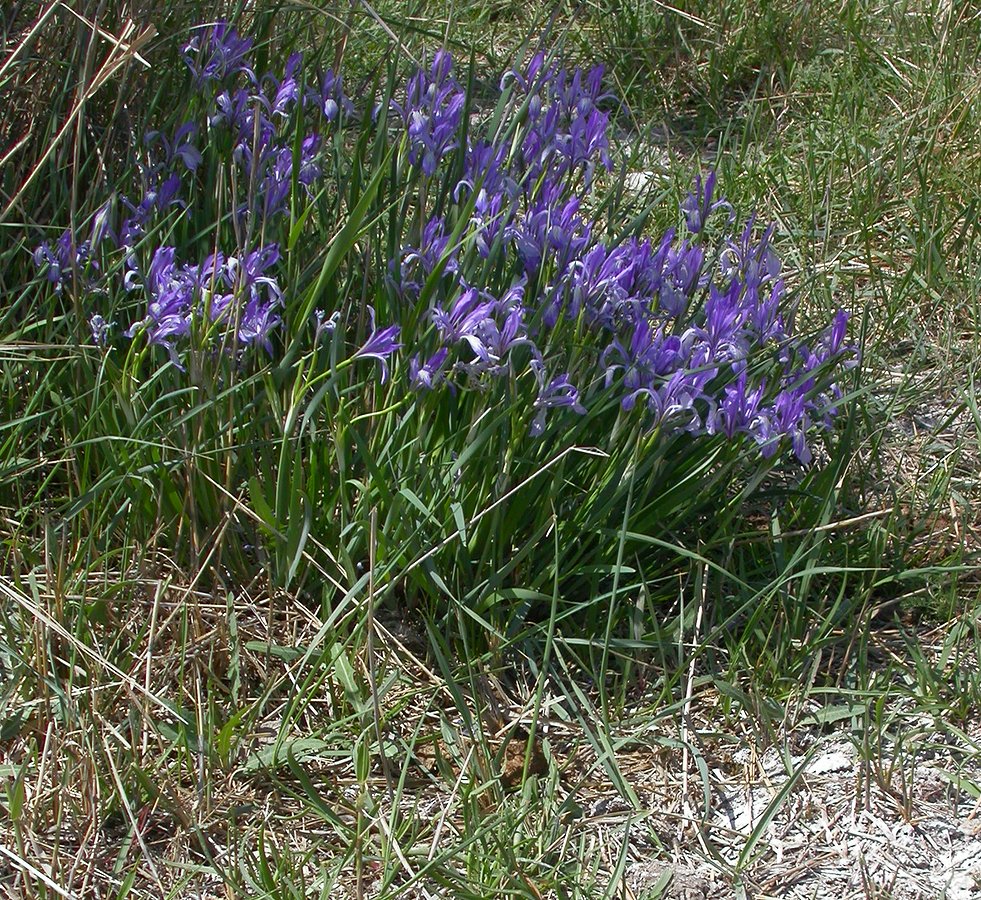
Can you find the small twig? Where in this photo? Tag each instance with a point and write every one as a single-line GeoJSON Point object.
{"type": "Point", "coordinates": [689, 692]}
{"type": "Point", "coordinates": [802, 532]}
{"type": "Point", "coordinates": [370, 649]}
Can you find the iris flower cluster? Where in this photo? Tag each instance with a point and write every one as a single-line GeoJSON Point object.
{"type": "Point", "coordinates": [693, 337]}
{"type": "Point", "coordinates": [231, 297]}
{"type": "Point", "coordinates": [686, 328]}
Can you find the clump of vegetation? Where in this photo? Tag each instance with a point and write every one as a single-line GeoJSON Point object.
{"type": "Point", "coordinates": [404, 442]}
{"type": "Point", "coordinates": [536, 360]}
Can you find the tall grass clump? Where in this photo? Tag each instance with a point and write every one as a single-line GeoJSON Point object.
{"type": "Point", "coordinates": [407, 343]}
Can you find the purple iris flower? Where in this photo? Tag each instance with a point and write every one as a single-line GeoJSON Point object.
{"type": "Point", "coordinates": [62, 261]}
{"type": "Point", "coordinates": [754, 261]}
{"type": "Point", "coordinates": [236, 291]}
{"type": "Point", "coordinates": [553, 227]}
{"type": "Point", "coordinates": [558, 393]}
{"type": "Point", "coordinates": [324, 325]}
{"type": "Point", "coordinates": [236, 111]}
{"type": "Point", "coordinates": [258, 320]}
{"type": "Point", "coordinates": [723, 337]}
{"type": "Point", "coordinates": [602, 283]}
{"type": "Point", "coordinates": [277, 183]}
{"type": "Point", "coordinates": [466, 319]}
{"type": "Point", "coordinates": [672, 402]}
{"type": "Point", "coordinates": [526, 80]}
{"type": "Point", "coordinates": [493, 342]}
{"type": "Point", "coordinates": [418, 263]}
{"type": "Point", "coordinates": [739, 410]}
{"type": "Point", "coordinates": [429, 374]}
{"type": "Point", "coordinates": [285, 91]}
{"type": "Point", "coordinates": [218, 55]}
{"type": "Point", "coordinates": [579, 94]}
{"type": "Point", "coordinates": [563, 131]}
{"type": "Point", "coordinates": [788, 418]}
{"type": "Point", "coordinates": [836, 333]}
{"type": "Point", "coordinates": [484, 171]}
{"type": "Point", "coordinates": [432, 112]}
{"type": "Point", "coordinates": [681, 276]}
{"type": "Point", "coordinates": [330, 98]}
{"type": "Point", "coordinates": [180, 147]}
{"type": "Point", "coordinates": [99, 328]}
{"type": "Point", "coordinates": [699, 205]}
{"type": "Point", "coordinates": [170, 291]}
{"type": "Point", "coordinates": [586, 142]}
{"type": "Point", "coordinates": [648, 358]}
{"type": "Point", "coordinates": [381, 344]}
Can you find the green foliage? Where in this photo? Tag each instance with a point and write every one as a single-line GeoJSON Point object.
{"type": "Point", "coordinates": [193, 562]}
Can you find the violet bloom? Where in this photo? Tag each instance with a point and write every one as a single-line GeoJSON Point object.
{"type": "Point", "coordinates": [381, 344]}
{"type": "Point", "coordinates": [418, 263]}
{"type": "Point", "coordinates": [180, 147]}
{"type": "Point", "coordinates": [324, 325]}
{"type": "Point", "coordinates": [754, 261]}
{"type": "Point", "coordinates": [739, 410]}
{"type": "Point", "coordinates": [563, 131]}
{"type": "Point", "coordinates": [170, 291]}
{"type": "Point", "coordinates": [157, 196]}
{"type": "Point", "coordinates": [218, 55]}
{"type": "Point", "coordinates": [432, 112]}
{"type": "Point", "coordinates": [527, 80]}
{"type": "Point", "coordinates": [586, 142]}
{"type": "Point", "coordinates": [788, 417]}
{"type": "Point", "coordinates": [540, 146]}
{"type": "Point", "coordinates": [330, 98]}
{"type": "Point", "coordinates": [240, 292]}
{"type": "Point", "coordinates": [681, 277]}
{"type": "Point", "coordinates": [62, 261]}
{"type": "Point", "coordinates": [99, 328]}
{"type": "Point", "coordinates": [492, 343]}
{"type": "Point", "coordinates": [834, 341]}
{"type": "Point", "coordinates": [763, 317]}
{"type": "Point", "coordinates": [699, 205]}
{"type": "Point", "coordinates": [429, 374]}
{"type": "Point", "coordinates": [674, 402]}
{"type": "Point", "coordinates": [257, 322]}
{"type": "Point", "coordinates": [723, 337]}
{"type": "Point", "coordinates": [286, 91]}
{"type": "Point", "coordinates": [551, 226]}
{"type": "Point", "coordinates": [651, 355]}
{"type": "Point", "coordinates": [484, 172]}
{"type": "Point", "coordinates": [276, 186]}
{"type": "Point", "coordinates": [602, 282]}
{"type": "Point", "coordinates": [559, 393]}
{"type": "Point", "coordinates": [466, 320]}
{"type": "Point", "coordinates": [493, 218]}
{"type": "Point", "coordinates": [236, 110]}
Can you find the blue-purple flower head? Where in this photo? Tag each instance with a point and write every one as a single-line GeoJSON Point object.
{"type": "Point", "coordinates": [563, 130]}
{"type": "Point", "coordinates": [100, 329]}
{"type": "Point", "coordinates": [380, 345]}
{"type": "Point", "coordinates": [418, 263]}
{"type": "Point", "coordinates": [236, 292]}
{"type": "Point", "coordinates": [63, 261]}
{"type": "Point", "coordinates": [218, 54]}
{"type": "Point", "coordinates": [557, 393]}
{"type": "Point", "coordinates": [179, 147]}
{"type": "Point", "coordinates": [699, 204]}
{"type": "Point", "coordinates": [330, 97]}
{"type": "Point", "coordinates": [431, 113]}
{"type": "Point", "coordinates": [170, 296]}
{"type": "Point", "coordinates": [429, 374]}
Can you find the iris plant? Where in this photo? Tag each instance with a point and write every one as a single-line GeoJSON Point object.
{"type": "Point", "coordinates": [686, 337]}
